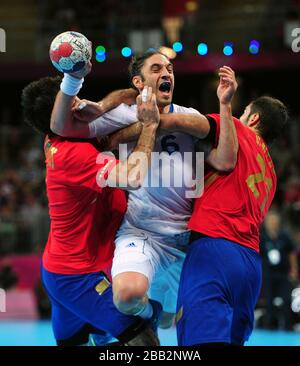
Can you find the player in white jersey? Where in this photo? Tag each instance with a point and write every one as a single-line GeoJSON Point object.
{"type": "Point", "coordinates": [153, 235]}
{"type": "Point", "coordinates": [161, 210]}
{"type": "Point", "coordinates": [148, 255]}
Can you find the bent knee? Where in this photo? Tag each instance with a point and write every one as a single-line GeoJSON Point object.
{"type": "Point", "coordinates": [129, 289]}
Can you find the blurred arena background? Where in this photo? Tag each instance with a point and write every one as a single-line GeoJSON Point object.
{"type": "Point", "coordinates": [254, 37]}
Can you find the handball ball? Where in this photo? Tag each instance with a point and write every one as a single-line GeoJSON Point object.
{"type": "Point", "coordinates": [70, 51]}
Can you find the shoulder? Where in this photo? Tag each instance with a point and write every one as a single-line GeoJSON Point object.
{"type": "Point", "coordinates": [217, 118]}
{"type": "Point", "coordinates": [79, 151]}
{"type": "Point", "coordinates": [122, 109]}
{"type": "Point", "coordinates": [121, 115]}
{"type": "Point", "coordinates": [182, 109]}
{"type": "Point", "coordinates": [69, 154]}
{"type": "Point", "coordinates": [214, 116]}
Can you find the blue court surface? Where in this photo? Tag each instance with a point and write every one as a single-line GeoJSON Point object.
{"type": "Point", "coordinates": [39, 333]}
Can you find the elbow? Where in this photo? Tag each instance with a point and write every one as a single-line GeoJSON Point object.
{"type": "Point", "coordinates": [58, 131]}
{"type": "Point", "coordinates": [54, 128]}
{"type": "Point", "coordinates": [227, 166]}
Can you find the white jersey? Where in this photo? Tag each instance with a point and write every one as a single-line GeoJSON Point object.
{"type": "Point", "coordinates": [162, 208]}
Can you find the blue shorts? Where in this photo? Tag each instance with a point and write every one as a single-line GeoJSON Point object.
{"type": "Point", "coordinates": [218, 291]}
{"type": "Point", "coordinates": [83, 304]}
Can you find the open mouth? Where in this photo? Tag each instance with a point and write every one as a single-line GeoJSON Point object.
{"type": "Point", "coordinates": [165, 87]}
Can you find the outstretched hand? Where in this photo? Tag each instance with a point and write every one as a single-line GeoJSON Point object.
{"type": "Point", "coordinates": [227, 86]}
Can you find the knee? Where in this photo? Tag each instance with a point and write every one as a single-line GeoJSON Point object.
{"type": "Point", "coordinates": [129, 291]}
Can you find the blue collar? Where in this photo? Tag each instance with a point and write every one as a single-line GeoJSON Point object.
{"type": "Point", "coordinates": [171, 110]}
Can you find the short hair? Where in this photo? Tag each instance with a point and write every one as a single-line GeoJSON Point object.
{"type": "Point", "coordinates": [37, 102]}
{"type": "Point", "coordinates": [273, 116]}
{"type": "Point", "coordinates": [138, 62]}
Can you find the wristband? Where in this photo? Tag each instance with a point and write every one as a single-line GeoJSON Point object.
{"type": "Point", "coordinates": [71, 85]}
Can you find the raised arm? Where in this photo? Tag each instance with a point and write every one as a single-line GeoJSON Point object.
{"type": "Point", "coordinates": [224, 156]}
{"type": "Point", "coordinates": [62, 121]}
{"type": "Point", "coordinates": [196, 125]}
{"type": "Point", "coordinates": [71, 116]}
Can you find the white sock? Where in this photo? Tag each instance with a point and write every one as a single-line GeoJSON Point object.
{"type": "Point", "coordinates": [146, 312]}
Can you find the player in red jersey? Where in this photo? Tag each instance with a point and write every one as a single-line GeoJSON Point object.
{"type": "Point", "coordinates": [221, 276]}
{"type": "Point", "coordinates": [85, 215]}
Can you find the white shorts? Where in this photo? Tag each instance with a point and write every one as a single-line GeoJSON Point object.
{"type": "Point", "coordinates": [157, 257]}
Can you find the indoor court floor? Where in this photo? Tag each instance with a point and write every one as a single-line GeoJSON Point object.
{"type": "Point", "coordinates": [39, 333]}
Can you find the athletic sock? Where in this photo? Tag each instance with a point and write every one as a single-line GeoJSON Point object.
{"type": "Point", "coordinates": [146, 312]}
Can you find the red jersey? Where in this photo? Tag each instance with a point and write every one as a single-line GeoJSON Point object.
{"type": "Point", "coordinates": [84, 217]}
{"type": "Point", "coordinates": [234, 204]}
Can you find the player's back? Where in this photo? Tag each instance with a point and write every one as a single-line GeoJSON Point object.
{"type": "Point", "coordinates": [84, 217]}
{"type": "Point", "coordinates": [234, 204]}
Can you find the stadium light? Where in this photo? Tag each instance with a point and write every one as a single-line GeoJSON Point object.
{"type": "Point", "coordinates": [177, 46]}
{"type": "Point", "coordinates": [100, 57]}
{"type": "Point", "coordinates": [228, 49]}
{"type": "Point", "coordinates": [100, 50]}
{"type": "Point", "coordinates": [202, 49]}
{"type": "Point", "coordinates": [254, 47]}
{"type": "Point", "coordinates": [126, 51]}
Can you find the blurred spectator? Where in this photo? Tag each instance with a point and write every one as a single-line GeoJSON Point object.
{"type": "Point", "coordinates": [9, 191]}
{"type": "Point", "coordinates": [8, 278]}
{"type": "Point", "coordinates": [292, 201]}
{"type": "Point", "coordinates": [280, 270]}
{"type": "Point", "coordinates": [292, 195]}
{"type": "Point", "coordinates": [24, 220]}
{"type": "Point", "coordinates": [30, 213]}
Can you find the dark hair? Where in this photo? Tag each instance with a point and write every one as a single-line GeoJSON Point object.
{"type": "Point", "coordinates": [273, 115]}
{"type": "Point", "coordinates": [37, 101]}
{"type": "Point", "coordinates": [138, 62]}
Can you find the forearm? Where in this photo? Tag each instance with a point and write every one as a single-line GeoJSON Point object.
{"type": "Point", "coordinates": [115, 98]}
{"type": "Point", "coordinates": [128, 134]}
{"type": "Point", "coordinates": [187, 123]}
{"type": "Point", "coordinates": [228, 142]}
{"type": "Point", "coordinates": [63, 122]}
{"type": "Point", "coordinates": [224, 157]}
{"type": "Point", "coordinates": [192, 124]}
{"type": "Point", "coordinates": [61, 118]}
{"type": "Point", "coordinates": [123, 136]}
{"type": "Point", "coordinates": [131, 173]}
{"type": "Point", "coordinates": [146, 141]}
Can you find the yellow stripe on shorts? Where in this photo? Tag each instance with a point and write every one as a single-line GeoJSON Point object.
{"type": "Point", "coordinates": [179, 314]}
{"type": "Point", "coordinates": [102, 286]}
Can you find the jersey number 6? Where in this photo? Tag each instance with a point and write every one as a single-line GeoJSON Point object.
{"type": "Point", "coordinates": [168, 144]}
